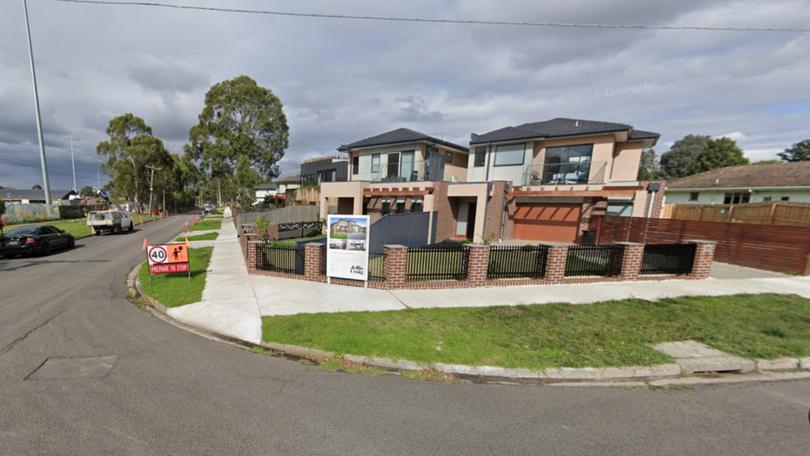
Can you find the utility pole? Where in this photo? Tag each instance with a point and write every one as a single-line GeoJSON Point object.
{"type": "Point", "coordinates": [151, 185]}
{"type": "Point", "coordinates": [73, 164]}
{"type": "Point", "coordinates": [219, 194]}
{"type": "Point", "coordinates": [46, 185]}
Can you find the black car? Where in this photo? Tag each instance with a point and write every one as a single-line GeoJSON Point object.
{"type": "Point", "coordinates": [41, 239]}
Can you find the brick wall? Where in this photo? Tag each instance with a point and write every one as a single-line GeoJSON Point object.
{"type": "Point", "coordinates": [477, 264]}
{"type": "Point", "coordinates": [312, 261]}
{"type": "Point", "coordinates": [395, 265]}
{"type": "Point", "coordinates": [445, 221]}
{"type": "Point", "coordinates": [555, 263]}
{"type": "Point", "coordinates": [631, 260]}
{"type": "Point", "coordinates": [704, 256]}
{"type": "Point", "coordinates": [495, 207]}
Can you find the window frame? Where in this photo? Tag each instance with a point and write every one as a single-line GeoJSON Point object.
{"type": "Point", "coordinates": [497, 154]}
{"type": "Point", "coordinates": [694, 196]}
{"type": "Point", "coordinates": [355, 165]}
{"type": "Point", "coordinates": [479, 161]}
{"type": "Point", "coordinates": [377, 157]}
{"type": "Point", "coordinates": [549, 150]}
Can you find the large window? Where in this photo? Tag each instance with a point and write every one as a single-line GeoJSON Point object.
{"type": "Point", "coordinates": [392, 167]}
{"type": "Point", "coordinates": [480, 156]}
{"type": "Point", "coordinates": [407, 168]}
{"type": "Point", "coordinates": [355, 164]}
{"type": "Point", "coordinates": [375, 163]}
{"type": "Point", "coordinates": [509, 155]}
{"type": "Point", "coordinates": [567, 165]}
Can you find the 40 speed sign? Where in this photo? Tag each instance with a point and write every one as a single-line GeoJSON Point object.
{"type": "Point", "coordinates": [167, 258]}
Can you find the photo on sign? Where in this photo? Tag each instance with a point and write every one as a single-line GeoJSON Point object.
{"type": "Point", "coordinates": [348, 233]}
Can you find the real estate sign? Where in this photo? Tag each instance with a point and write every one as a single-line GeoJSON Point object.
{"type": "Point", "coordinates": [347, 247]}
{"type": "Point", "coordinates": [167, 258]}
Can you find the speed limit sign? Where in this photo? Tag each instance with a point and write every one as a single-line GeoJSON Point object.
{"type": "Point", "coordinates": [157, 255]}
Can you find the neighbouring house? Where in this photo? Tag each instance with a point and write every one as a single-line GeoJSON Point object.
{"type": "Point", "coordinates": [744, 184]}
{"type": "Point", "coordinates": [539, 181]}
{"type": "Point", "coordinates": [12, 196]}
{"type": "Point", "coordinates": [324, 169]}
{"type": "Point", "coordinates": [265, 190]}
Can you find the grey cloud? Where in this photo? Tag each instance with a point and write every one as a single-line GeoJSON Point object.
{"type": "Point", "coordinates": [414, 109]}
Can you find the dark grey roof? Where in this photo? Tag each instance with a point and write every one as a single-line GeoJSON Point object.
{"type": "Point", "coordinates": [400, 135]}
{"type": "Point", "coordinates": [294, 179]}
{"type": "Point", "coordinates": [557, 127]}
{"type": "Point", "coordinates": [267, 186]}
{"type": "Point", "coordinates": [641, 134]}
{"type": "Point", "coordinates": [37, 195]}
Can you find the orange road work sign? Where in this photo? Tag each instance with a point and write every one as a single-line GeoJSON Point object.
{"type": "Point", "coordinates": [167, 258]}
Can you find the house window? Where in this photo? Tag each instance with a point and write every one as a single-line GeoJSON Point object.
{"type": "Point", "coordinates": [480, 157]}
{"type": "Point", "coordinates": [567, 165]}
{"type": "Point", "coordinates": [375, 163]}
{"type": "Point", "coordinates": [386, 207]}
{"type": "Point", "coordinates": [766, 199]}
{"type": "Point", "coordinates": [416, 205]}
{"type": "Point", "coordinates": [620, 209]}
{"type": "Point", "coordinates": [401, 206]}
{"type": "Point", "coordinates": [509, 155]}
{"type": "Point", "coordinates": [407, 167]}
{"type": "Point", "coordinates": [785, 198]}
{"type": "Point", "coordinates": [693, 196]}
{"type": "Point", "coordinates": [355, 164]}
{"type": "Point", "coordinates": [737, 198]}
{"type": "Point", "coordinates": [392, 169]}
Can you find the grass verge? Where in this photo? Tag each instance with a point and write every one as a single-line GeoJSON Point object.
{"type": "Point", "coordinates": [199, 237]}
{"type": "Point", "coordinates": [173, 290]}
{"type": "Point", "coordinates": [612, 333]}
{"type": "Point", "coordinates": [207, 224]}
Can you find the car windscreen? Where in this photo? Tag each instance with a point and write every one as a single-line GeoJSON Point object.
{"type": "Point", "coordinates": [19, 232]}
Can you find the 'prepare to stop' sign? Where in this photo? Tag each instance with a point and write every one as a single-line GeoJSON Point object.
{"type": "Point", "coordinates": [167, 258]}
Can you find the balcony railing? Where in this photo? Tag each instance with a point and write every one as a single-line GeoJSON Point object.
{"type": "Point", "coordinates": [394, 172]}
{"type": "Point", "coordinates": [572, 173]}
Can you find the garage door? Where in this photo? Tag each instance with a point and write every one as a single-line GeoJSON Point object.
{"type": "Point", "coordinates": [547, 222]}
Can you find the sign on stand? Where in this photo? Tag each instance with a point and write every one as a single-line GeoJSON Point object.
{"type": "Point", "coordinates": [168, 258]}
{"type": "Point", "coordinates": [347, 247]}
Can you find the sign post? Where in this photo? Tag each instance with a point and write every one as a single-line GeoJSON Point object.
{"type": "Point", "coordinates": [168, 259]}
{"type": "Point", "coordinates": [347, 246]}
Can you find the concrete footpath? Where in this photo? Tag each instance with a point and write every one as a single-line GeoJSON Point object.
{"type": "Point", "coordinates": [228, 305]}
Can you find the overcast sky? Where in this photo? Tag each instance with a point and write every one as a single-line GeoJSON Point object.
{"type": "Point", "coordinates": [344, 80]}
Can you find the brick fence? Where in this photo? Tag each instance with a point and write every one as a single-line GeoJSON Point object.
{"type": "Point", "coordinates": [395, 267]}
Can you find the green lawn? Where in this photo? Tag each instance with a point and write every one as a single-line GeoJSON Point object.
{"type": "Point", "coordinates": [77, 227]}
{"type": "Point", "coordinates": [613, 333]}
{"type": "Point", "coordinates": [174, 290]}
{"type": "Point", "coordinates": [207, 224]}
{"type": "Point", "coordinates": [199, 237]}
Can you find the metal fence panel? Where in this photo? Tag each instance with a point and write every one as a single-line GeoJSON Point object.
{"type": "Point", "coordinates": [668, 258]}
{"type": "Point", "coordinates": [376, 266]}
{"type": "Point", "coordinates": [282, 258]}
{"type": "Point", "coordinates": [519, 261]}
{"type": "Point", "coordinates": [437, 263]}
{"type": "Point", "coordinates": [594, 260]}
{"type": "Point", "coordinates": [410, 230]}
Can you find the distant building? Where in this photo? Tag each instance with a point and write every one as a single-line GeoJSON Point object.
{"type": "Point", "coordinates": [13, 196]}
{"type": "Point", "coordinates": [744, 184]}
{"type": "Point", "coordinates": [324, 169]}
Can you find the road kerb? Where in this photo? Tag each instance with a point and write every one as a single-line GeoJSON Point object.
{"type": "Point", "coordinates": [779, 364]}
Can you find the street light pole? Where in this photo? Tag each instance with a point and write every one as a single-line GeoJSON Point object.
{"type": "Point", "coordinates": [151, 185]}
{"type": "Point", "coordinates": [46, 185]}
{"type": "Point", "coordinates": [73, 164]}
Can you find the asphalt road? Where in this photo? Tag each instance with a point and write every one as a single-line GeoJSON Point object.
{"type": "Point", "coordinates": [172, 392]}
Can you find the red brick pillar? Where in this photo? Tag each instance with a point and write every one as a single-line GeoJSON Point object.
{"type": "Point", "coordinates": [312, 261]}
{"type": "Point", "coordinates": [477, 265]}
{"type": "Point", "coordinates": [254, 255]}
{"type": "Point", "coordinates": [704, 256]}
{"type": "Point", "coordinates": [272, 232]}
{"type": "Point", "coordinates": [555, 263]}
{"type": "Point", "coordinates": [395, 266]}
{"type": "Point", "coordinates": [631, 260]}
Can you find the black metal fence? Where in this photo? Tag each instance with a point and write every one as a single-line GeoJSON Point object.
{"type": "Point", "coordinates": [437, 263]}
{"type": "Point", "coordinates": [668, 258]}
{"type": "Point", "coordinates": [282, 258]}
{"type": "Point", "coordinates": [519, 261]}
{"type": "Point", "coordinates": [594, 260]}
{"type": "Point", "coordinates": [376, 266]}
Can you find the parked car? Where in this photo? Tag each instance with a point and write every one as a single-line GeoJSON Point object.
{"type": "Point", "coordinates": [112, 221]}
{"type": "Point", "coordinates": [29, 240]}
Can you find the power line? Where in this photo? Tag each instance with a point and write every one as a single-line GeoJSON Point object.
{"type": "Point", "coordinates": [448, 21]}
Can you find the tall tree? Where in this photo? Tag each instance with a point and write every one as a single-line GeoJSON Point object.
{"type": "Point", "coordinates": [241, 123]}
{"type": "Point", "coordinates": [648, 169]}
{"type": "Point", "coordinates": [129, 151]}
{"type": "Point", "coordinates": [678, 161]}
{"type": "Point", "coordinates": [718, 153]}
{"type": "Point", "coordinates": [797, 152]}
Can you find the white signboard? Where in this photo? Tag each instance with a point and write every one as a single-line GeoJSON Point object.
{"type": "Point", "coordinates": [347, 247]}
